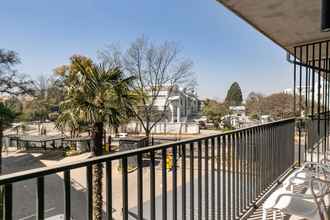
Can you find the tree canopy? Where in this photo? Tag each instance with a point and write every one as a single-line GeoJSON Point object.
{"type": "Point", "coordinates": [277, 105]}
{"type": "Point", "coordinates": [214, 111]}
{"type": "Point", "coordinates": [94, 93]}
{"type": "Point", "coordinates": [7, 116]}
{"type": "Point", "coordinates": [234, 95]}
{"type": "Point", "coordinates": [11, 82]}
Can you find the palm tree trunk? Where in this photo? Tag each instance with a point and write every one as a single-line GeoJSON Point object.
{"type": "Point", "coordinates": [97, 191]}
{"type": "Point", "coordinates": [97, 171]}
{"type": "Point", "coordinates": [1, 188]}
{"type": "Point", "coordinates": [1, 137]}
{"type": "Point", "coordinates": [147, 132]}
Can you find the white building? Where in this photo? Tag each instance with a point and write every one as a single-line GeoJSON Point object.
{"type": "Point", "coordinates": [181, 107]}
{"type": "Point", "coordinates": [238, 110]}
{"type": "Point", "coordinates": [237, 117]}
{"type": "Point", "coordinates": [182, 104]}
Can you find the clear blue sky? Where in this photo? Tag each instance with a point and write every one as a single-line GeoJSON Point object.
{"type": "Point", "coordinates": [224, 48]}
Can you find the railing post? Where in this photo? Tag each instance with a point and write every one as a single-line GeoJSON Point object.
{"type": "Point", "coordinates": [206, 181]}
{"type": "Point", "coordinates": [108, 174]}
{"type": "Point", "coordinates": [40, 198]}
{"type": "Point", "coordinates": [152, 186]}
{"type": "Point", "coordinates": [164, 185]}
{"type": "Point", "coordinates": [192, 205]}
{"type": "Point", "coordinates": [299, 142]}
{"type": "Point", "coordinates": [67, 195]}
{"type": "Point", "coordinates": [174, 182]}
{"type": "Point", "coordinates": [140, 186]}
{"type": "Point", "coordinates": [89, 192]}
{"type": "Point", "coordinates": [199, 176]}
{"type": "Point", "coordinates": [183, 146]}
{"type": "Point", "coordinates": [125, 188]}
{"type": "Point", "coordinates": [8, 202]}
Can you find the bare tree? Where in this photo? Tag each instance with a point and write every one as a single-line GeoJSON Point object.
{"type": "Point", "coordinates": [278, 105]}
{"type": "Point", "coordinates": [111, 55]}
{"type": "Point", "coordinates": [254, 104]}
{"type": "Point", "coordinates": [156, 68]}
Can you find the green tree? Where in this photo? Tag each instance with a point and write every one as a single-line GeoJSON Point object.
{"type": "Point", "coordinates": [94, 94]}
{"type": "Point", "coordinates": [11, 82]}
{"type": "Point", "coordinates": [214, 111]}
{"type": "Point", "coordinates": [48, 93]}
{"type": "Point", "coordinates": [234, 95]}
{"type": "Point", "coordinates": [7, 116]}
{"type": "Point", "coordinates": [15, 104]}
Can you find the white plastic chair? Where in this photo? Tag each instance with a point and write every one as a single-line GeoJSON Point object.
{"type": "Point", "coordinates": [310, 206]}
{"type": "Point", "coordinates": [302, 176]}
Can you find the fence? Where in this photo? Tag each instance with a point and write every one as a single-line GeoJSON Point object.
{"type": "Point", "coordinates": [164, 128]}
{"type": "Point", "coordinates": [214, 177]}
{"type": "Point", "coordinates": [313, 138]}
{"type": "Point", "coordinates": [311, 65]}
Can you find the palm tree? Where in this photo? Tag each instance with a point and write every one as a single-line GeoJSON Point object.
{"type": "Point", "coordinates": [7, 116]}
{"type": "Point", "coordinates": [94, 95]}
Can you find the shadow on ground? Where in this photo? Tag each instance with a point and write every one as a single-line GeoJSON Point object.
{"type": "Point", "coordinates": [24, 192]}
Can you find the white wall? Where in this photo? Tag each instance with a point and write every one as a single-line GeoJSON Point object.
{"type": "Point", "coordinates": [164, 128]}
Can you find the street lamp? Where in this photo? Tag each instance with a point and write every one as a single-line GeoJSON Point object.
{"type": "Point", "coordinates": [325, 15]}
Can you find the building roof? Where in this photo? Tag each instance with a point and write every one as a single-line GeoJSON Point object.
{"type": "Point", "coordinates": [286, 22]}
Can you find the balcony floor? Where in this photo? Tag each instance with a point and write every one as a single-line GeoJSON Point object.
{"type": "Point", "coordinates": [257, 214]}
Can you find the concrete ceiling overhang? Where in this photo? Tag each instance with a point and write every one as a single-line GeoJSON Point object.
{"type": "Point", "coordinates": [288, 23]}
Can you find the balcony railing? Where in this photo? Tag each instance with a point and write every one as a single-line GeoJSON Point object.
{"type": "Point", "coordinates": [214, 177]}
{"type": "Point", "coordinates": [313, 137]}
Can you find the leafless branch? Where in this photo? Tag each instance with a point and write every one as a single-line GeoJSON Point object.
{"type": "Point", "coordinates": [156, 68]}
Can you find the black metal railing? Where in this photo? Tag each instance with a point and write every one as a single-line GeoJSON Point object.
{"type": "Point", "coordinates": [311, 67]}
{"type": "Point", "coordinates": [313, 137]}
{"type": "Point", "coordinates": [214, 177]}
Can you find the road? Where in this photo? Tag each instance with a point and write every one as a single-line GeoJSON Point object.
{"type": "Point", "coordinates": [24, 193]}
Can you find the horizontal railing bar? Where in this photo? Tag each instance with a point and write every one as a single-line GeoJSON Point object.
{"type": "Point", "coordinates": [312, 67]}
{"type": "Point", "coordinates": [34, 173]}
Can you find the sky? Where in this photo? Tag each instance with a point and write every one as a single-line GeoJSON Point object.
{"type": "Point", "coordinates": [222, 47]}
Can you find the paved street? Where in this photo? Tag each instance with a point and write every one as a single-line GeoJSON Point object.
{"type": "Point", "coordinates": [24, 202]}
{"type": "Point", "coordinates": [24, 192]}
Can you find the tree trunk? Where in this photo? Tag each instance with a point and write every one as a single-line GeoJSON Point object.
{"type": "Point", "coordinates": [109, 142]}
{"type": "Point", "coordinates": [1, 137]}
{"type": "Point", "coordinates": [97, 171]}
{"type": "Point", "coordinates": [104, 136]}
{"type": "Point", "coordinates": [147, 131]}
{"type": "Point", "coordinates": [147, 136]}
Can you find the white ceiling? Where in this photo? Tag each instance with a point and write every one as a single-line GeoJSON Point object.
{"type": "Point", "coordinates": [287, 22]}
